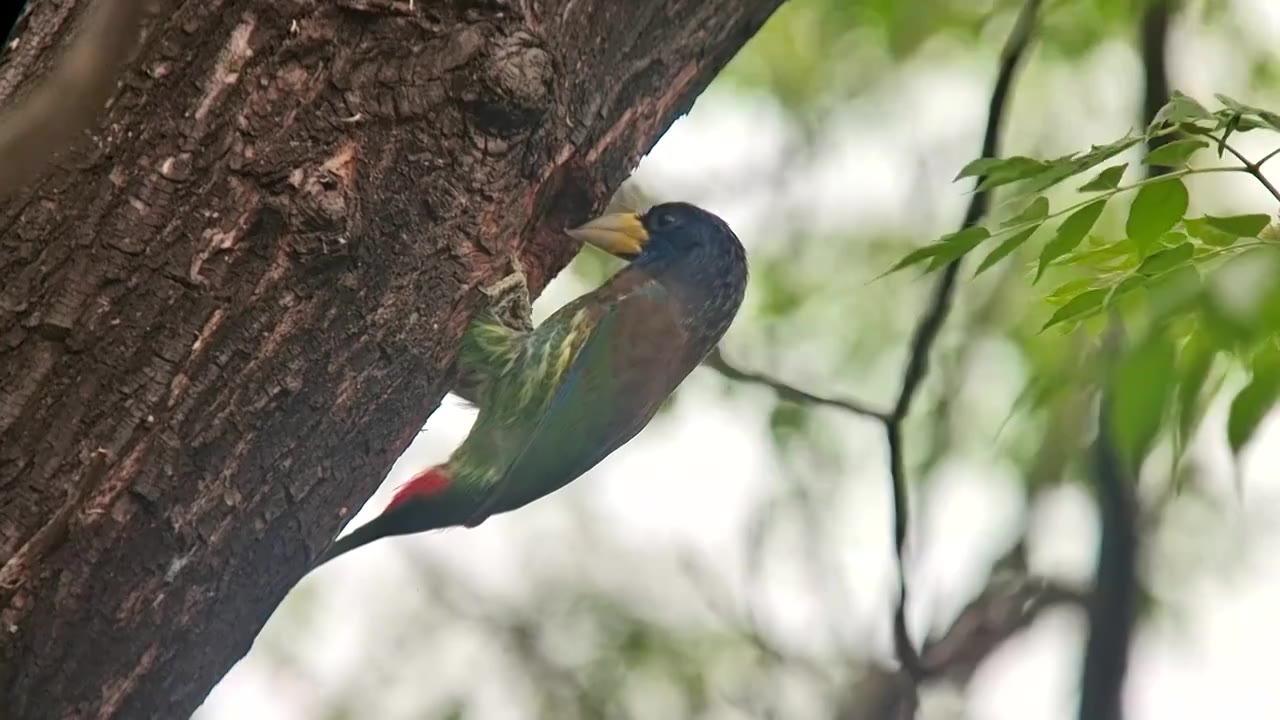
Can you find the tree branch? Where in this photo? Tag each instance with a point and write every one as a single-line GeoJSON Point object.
{"type": "Point", "coordinates": [1156, 92]}
{"type": "Point", "coordinates": [716, 362]}
{"type": "Point", "coordinates": [1113, 606]}
{"type": "Point", "coordinates": [1010, 602]}
{"type": "Point", "coordinates": [1267, 157]}
{"type": "Point", "coordinates": [1254, 168]}
{"type": "Point", "coordinates": [1114, 603]}
{"type": "Point", "coordinates": [931, 324]}
{"type": "Point", "coordinates": [926, 332]}
{"type": "Point", "coordinates": [990, 620]}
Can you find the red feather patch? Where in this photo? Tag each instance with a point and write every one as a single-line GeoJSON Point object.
{"type": "Point", "coordinates": [425, 484]}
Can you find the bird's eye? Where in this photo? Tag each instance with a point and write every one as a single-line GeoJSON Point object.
{"type": "Point", "coordinates": [664, 221]}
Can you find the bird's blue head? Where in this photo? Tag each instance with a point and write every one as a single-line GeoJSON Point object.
{"type": "Point", "coordinates": [690, 253]}
{"type": "Point", "coordinates": [668, 234]}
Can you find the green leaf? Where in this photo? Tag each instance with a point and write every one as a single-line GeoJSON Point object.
{"type": "Point", "coordinates": [1010, 166]}
{"type": "Point", "coordinates": [1064, 167]}
{"type": "Point", "coordinates": [1229, 127]}
{"type": "Point", "coordinates": [1253, 403]}
{"type": "Point", "coordinates": [1069, 289]}
{"type": "Point", "coordinates": [1264, 116]}
{"type": "Point", "coordinates": [788, 423]}
{"type": "Point", "coordinates": [1156, 209]}
{"type": "Point", "coordinates": [958, 244]}
{"type": "Point", "coordinates": [1249, 122]}
{"type": "Point", "coordinates": [1200, 229]}
{"type": "Point", "coordinates": [1194, 363]}
{"type": "Point", "coordinates": [1003, 249]}
{"type": "Point", "coordinates": [1127, 285]}
{"type": "Point", "coordinates": [1179, 109]}
{"type": "Point", "coordinates": [1037, 209]}
{"type": "Point", "coordinates": [1174, 154]}
{"type": "Point", "coordinates": [1143, 383]}
{"type": "Point", "coordinates": [1239, 225]}
{"type": "Point", "coordinates": [1086, 302]}
{"type": "Point", "coordinates": [916, 256]}
{"type": "Point", "coordinates": [1231, 103]}
{"type": "Point", "coordinates": [996, 172]}
{"type": "Point", "coordinates": [978, 168]}
{"type": "Point", "coordinates": [1172, 292]}
{"type": "Point", "coordinates": [1166, 260]}
{"type": "Point", "coordinates": [1070, 233]}
{"type": "Point", "coordinates": [1108, 179]}
{"type": "Point", "coordinates": [1104, 256]}
{"type": "Point", "coordinates": [1269, 309]}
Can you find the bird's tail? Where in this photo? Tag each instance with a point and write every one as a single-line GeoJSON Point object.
{"type": "Point", "coordinates": [427, 483]}
{"type": "Point", "coordinates": [359, 537]}
{"type": "Point", "coordinates": [399, 518]}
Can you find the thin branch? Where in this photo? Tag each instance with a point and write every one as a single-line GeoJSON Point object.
{"type": "Point", "coordinates": [926, 332]}
{"type": "Point", "coordinates": [1267, 157]}
{"type": "Point", "coordinates": [715, 360]}
{"type": "Point", "coordinates": [1156, 93]}
{"type": "Point", "coordinates": [1013, 229]}
{"type": "Point", "coordinates": [931, 323]}
{"type": "Point", "coordinates": [1002, 610]}
{"type": "Point", "coordinates": [1010, 601]}
{"type": "Point", "coordinates": [1113, 606]}
{"type": "Point", "coordinates": [1254, 169]}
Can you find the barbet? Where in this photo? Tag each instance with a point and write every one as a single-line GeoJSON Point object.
{"type": "Point", "coordinates": [556, 400]}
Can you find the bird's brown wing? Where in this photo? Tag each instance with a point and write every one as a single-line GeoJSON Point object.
{"type": "Point", "coordinates": [633, 359]}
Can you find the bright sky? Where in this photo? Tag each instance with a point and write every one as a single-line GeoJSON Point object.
{"type": "Point", "coordinates": [690, 482]}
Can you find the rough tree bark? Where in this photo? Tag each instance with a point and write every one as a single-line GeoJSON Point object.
{"type": "Point", "coordinates": [223, 318]}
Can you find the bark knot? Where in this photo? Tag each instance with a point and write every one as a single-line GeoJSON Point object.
{"type": "Point", "coordinates": [521, 73]}
{"type": "Point", "coordinates": [515, 88]}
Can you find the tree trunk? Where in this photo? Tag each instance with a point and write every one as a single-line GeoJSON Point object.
{"type": "Point", "coordinates": [223, 318]}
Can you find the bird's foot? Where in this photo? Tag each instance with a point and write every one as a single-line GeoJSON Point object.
{"type": "Point", "coordinates": [509, 299]}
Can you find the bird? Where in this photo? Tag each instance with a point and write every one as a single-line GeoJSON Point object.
{"type": "Point", "coordinates": [557, 399]}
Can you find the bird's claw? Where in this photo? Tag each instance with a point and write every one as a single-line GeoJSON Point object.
{"type": "Point", "coordinates": [509, 299]}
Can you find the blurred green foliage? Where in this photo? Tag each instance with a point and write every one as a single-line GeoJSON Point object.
{"type": "Point", "coordinates": [818, 51]}
{"type": "Point", "coordinates": [1158, 274]}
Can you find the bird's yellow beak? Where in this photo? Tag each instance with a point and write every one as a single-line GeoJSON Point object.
{"type": "Point", "coordinates": [621, 234]}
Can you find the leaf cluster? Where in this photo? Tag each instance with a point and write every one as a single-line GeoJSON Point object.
{"type": "Point", "coordinates": [1165, 270]}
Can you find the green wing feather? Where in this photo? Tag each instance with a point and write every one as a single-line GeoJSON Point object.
{"type": "Point", "coordinates": [630, 362]}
